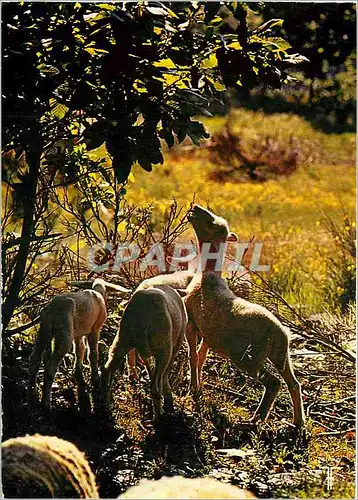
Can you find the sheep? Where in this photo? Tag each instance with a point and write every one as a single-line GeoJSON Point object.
{"type": "Point", "coordinates": [44, 467]}
{"type": "Point", "coordinates": [153, 323]}
{"type": "Point", "coordinates": [69, 318]}
{"type": "Point", "coordinates": [181, 487]}
{"type": "Point", "coordinates": [246, 333]}
{"type": "Point", "coordinates": [178, 280]}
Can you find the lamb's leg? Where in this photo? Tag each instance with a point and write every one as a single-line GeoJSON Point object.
{"type": "Point", "coordinates": [80, 353]}
{"type": "Point", "coordinates": [168, 395]}
{"type": "Point", "coordinates": [202, 353]}
{"type": "Point", "coordinates": [167, 391]}
{"type": "Point", "coordinates": [83, 398]}
{"type": "Point", "coordinates": [132, 364]}
{"type": "Point", "coordinates": [272, 386]}
{"type": "Point", "coordinates": [295, 391]}
{"type": "Point", "coordinates": [61, 348]}
{"type": "Point", "coordinates": [157, 381]}
{"type": "Point", "coordinates": [192, 335]}
{"type": "Point", "coordinates": [253, 366]}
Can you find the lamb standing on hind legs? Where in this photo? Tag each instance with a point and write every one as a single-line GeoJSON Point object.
{"type": "Point", "coordinates": [153, 323]}
{"type": "Point", "coordinates": [246, 333]}
{"type": "Point", "coordinates": [69, 318]}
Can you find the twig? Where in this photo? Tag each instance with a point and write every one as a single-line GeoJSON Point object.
{"type": "Point", "coordinates": [333, 417]}
{"type": "Point", "coordinates": [322, 425]}
{"type": "Point", "coordinates": [334, 433]}
{"type": "Point", "coordinates": [330, 403]}
{"type": "Point", "coordinates": [226, 389]}
{"type": "Point", "coordinates": [20, 329]}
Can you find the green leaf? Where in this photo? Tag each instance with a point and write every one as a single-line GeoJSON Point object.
{"type": "Point", "coordinates": [196, 131]}
{"type": "Point", "coordinates": [107, 6]}
{"type": "Point", "coordinates": [164, 63]}
{"type": "Point", "coordinates": [122, 167]}
{"type": "Point", "coordinates": [280, 43]}
{"type": "Point", "coordinates": [94, 135]}
{"type": "Point", "coordinates": [268, 25]}
{"type": "Point", "coordinates": [95, 52]}
{"type": "Point", "coordinates": [57, 110]}
{"type": "Point", "coordinates": [235, 45]}
{"type": "Point", "coordinates": [219, 86]}
{"type": "Point", "coordinates": [167, 135]}
{"type": "Point", "coordinates": [139, 86]}
{"type": "Point", "coordinates": [47, 69]}
{"type": "Point", "coordinates": [209, 62]}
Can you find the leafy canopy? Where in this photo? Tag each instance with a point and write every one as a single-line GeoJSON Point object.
{"type": "Point", "coordinates": [127, 74]}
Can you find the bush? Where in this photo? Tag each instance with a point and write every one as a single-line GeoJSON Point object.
{"type": "Point", "coordinates": [341, 286]}
{"type": "Point", "coordinates": [265, 158]}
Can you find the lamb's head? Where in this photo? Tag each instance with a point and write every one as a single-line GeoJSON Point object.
{"type": "Point", "coordinates": [100, 286]}
{"type": "Point", "coordinates": [209, 227]}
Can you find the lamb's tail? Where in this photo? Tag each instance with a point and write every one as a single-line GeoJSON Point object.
{"type": "Point", "coordinates": [142, 343]}
{"type": "Point", "coordinates": [280, 348]}
{"type": "Point", "coordinates": [46, 335]}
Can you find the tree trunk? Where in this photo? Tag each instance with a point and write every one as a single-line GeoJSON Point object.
{"type": "Point", "coordinates": [12, 299]}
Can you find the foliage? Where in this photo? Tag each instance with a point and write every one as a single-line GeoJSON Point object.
{"type": "Point", "coordinates": [342, 269]}
{"type": "Point", "coordinates": [265, 159]}
{"type": "Point", "coordinates": [325, 87]}
{"type": "Point", "coordinates": [326, 37]}
{"type": "Point", "coordinates": [127, 72]}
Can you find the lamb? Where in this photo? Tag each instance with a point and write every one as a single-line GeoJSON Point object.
{"type": "Point", "coordinates": [178, 280]}
{"type": "Point", "coordinates": [246, 333]}
{"type": "Point", "coordinates": [69, 318]}
{"type": "Point", "coordinates": [153, 323]}
{"type": "Point", "coordinates": [181, 487]}
{"type": "Point", "coordinates": [44, 467]}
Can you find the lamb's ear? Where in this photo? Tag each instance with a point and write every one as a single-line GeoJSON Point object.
{"type": "Point", "coordinates": [110, 287]}
{"type": "Point", "coordinates": [81, 284]}
{"type": "Point", "coordinates": [232, 237]}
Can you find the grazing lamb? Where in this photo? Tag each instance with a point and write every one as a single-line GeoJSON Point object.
{"type": "Point", "coordinates": [45, 467]}
{"type": "Point", "coordinates": [69, 318]}
{"type": "Point", "coordinates": [246, 333]}
{"type": "Point", "coordinates": [179, 280]}
{"type": "Point", "coordinates": [153, 323]}
{"type": "Point", "coordinates": [181, 487]}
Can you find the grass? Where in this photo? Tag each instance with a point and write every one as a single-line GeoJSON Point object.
{"type": "Point", "coordinates": [284, 213]}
